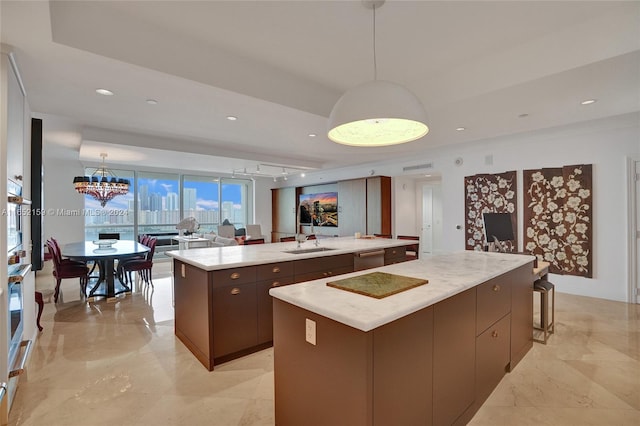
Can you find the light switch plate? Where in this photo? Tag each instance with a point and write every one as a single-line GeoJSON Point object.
{"type": "Point", "coordinates": [310, 331]}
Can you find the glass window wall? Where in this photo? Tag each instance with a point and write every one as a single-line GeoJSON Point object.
{"type": "Point", "coordinates": [156, 202]}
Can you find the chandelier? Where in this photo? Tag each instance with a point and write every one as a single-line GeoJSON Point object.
{"type": "Point", "coordinates": [102, 185]}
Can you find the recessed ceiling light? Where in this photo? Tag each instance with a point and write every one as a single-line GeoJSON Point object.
{"type": "Point", "coordinates": [152, 102]}
{"type": "Point", "coordinates": [312, 135]}
{"type": "Point", "coordinates": [523, 115]}
{"type": "Point", "coordinates": [231, 118]}
{"type": "Point", "coordinates": [427, 175]}
{"type": "Point", "coordinates": [588, 102]}
{"type": "Point", "coordinates": [460, 129]}
{"type": "Point", "coordinates": [104, 92]}
{"type": "Point", "coordinates": [302, 175]}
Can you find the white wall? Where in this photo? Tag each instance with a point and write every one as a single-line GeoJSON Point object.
{"type": "Point", "coordinates": [604, 143]}
{"type": "Point", "coordinates": [60, 143]}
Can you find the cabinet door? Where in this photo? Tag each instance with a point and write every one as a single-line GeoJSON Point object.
{"type": "Point", "coordinates": [15, 126]}
{"type": "Point", "coordinates": [235, 318]}
{"type": "Point", "coordinates": [521, 312]}
{"type": "Point", "coordinates": [379, 205]}
{"type": "Point", "coordinates": [283, 204]}
{"type": "Point", "coordinates": [265, 306]}
{"type": "Point", "coordinates": [454, 340]}
{"type": "Point", "coordinates": [492, 357]}
{"type": "Point", "coordinates": [352, 207]}
{"type": "Point", "coordinates": [193, 310]}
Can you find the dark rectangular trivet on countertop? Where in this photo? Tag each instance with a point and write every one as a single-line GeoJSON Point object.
{"type": "Point", "coordinates": [377, 284]}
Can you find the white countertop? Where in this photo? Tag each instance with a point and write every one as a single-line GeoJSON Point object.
{"type": "Point", "coordinates": [448, 274]}
{"type": "Point", "coordinates": [214, 258]}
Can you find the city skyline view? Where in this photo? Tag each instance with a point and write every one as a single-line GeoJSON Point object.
{"type": "Point", "coordinates": [159, 202]}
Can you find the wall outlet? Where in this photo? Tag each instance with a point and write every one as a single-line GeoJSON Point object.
{"type": "Point", "coordinates": [310, 331]}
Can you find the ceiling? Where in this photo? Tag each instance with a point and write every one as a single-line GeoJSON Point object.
{"type": "Point", "coordinates": [494, 68]}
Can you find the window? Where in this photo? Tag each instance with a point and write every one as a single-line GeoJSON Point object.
{"type": "Point", "coordinates": [116, 217]}
{"type": "Point", "coordinates": [235, 202]}
{"type": "Point", "coordinates": [200, 199]}
{"type": "Point", "coordinates": [158, 203]}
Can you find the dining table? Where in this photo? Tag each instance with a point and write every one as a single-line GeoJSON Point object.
{"type": "Point", "coordinates": [105, 254]}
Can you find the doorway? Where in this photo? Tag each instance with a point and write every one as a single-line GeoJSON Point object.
{"type": "Point", "coordinates": [430, 202]}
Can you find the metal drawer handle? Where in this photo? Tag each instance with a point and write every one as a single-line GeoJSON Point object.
{"type": "Point", "coordinates": [494, 333]}
{"type": "Point", "coordinates": [235, 291]}
{"type": "Point", "coordinates": [496, 287]}
{"type": "Point", "coordinates": [26, 344]}
{"type": "Point", "coordinates": [235, 276]}
{"type": "Point", "coordinates": [275, 270]}
{"type": "Point", "coordinates": [275, 284]}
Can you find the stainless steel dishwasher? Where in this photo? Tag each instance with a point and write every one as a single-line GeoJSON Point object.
{"type": "Point", "coordinates": [368, 259]}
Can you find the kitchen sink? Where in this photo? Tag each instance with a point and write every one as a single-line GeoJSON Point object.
{"type": "Point", "coordinates": [308, 250]}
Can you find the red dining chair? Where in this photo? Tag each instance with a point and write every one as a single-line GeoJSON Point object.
{"type": "Point", "coordinates": [287, 239]}
{"type": "Point", "coordinates": [65, 268]}
{"type": "Point", "coordinates": [142, 239]}
{"type": "Point", "coordinates": [251, 241]}
{"type": "Point", "coordinates": [141, 266]}
{"type": "Point", "coordinates": [311, 237]}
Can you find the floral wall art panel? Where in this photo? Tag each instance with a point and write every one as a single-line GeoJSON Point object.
{"type": "Point", "coordinates": [489, 193]}
{"type": "Point", "coordinates": [558, 221]}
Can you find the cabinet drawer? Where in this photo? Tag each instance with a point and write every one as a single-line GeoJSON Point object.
{"type": "Point", "coordinates": [326, 263]}
{"type": "Point", "coordinates": [234, 276]}
{"type": "Point", "coordinates": [394, 255]}
{"type": "Point", "coordinates": [493, 302]}
{"type": "Point", "coordinates": [316, 275]}
{"type": "Point", "coordinates": [492, 357]}
{"type": "Point", "coordinates": [274, 271]}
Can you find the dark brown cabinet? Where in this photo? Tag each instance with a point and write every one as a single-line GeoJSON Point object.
{"type": "Point", "coordinates": [352, 377]}
{"type": "Point", "coordinates": [395, 255]}
{"type": "Point", "coordinates": [434, 366]}
{"type": "Point", "coordinates": [235, 318]}
{"type": "Point", "coordinates": [492, 357]}
{"type": "Point", "coordinates": [494, 302]}
{"type": "Point", "coordinates": [521, 313]}
{"type": "Point", "coordinates": [322, 267]}
{"type": "Point", "coordinates": [227, 313]}
{"type": "Point", "coordinates": [270, 276]}
{"type": "Point", "coordinates": [454, 364]}
{"type": "Point", "coordinates": [192, 295]}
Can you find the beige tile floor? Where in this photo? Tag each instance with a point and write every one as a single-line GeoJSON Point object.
{"type": "Point", "coordinates": [107, 363]}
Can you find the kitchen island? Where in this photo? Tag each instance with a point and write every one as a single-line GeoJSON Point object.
{"type": "Point", "coordinates": [223, 309]}
{"type": "Point", "coordinates": [428, 355]}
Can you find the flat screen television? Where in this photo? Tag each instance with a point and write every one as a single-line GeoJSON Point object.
{"type": "Point", "coordinates": [497, 227]}
{"type": "Point", "coordinates": [319, 209]}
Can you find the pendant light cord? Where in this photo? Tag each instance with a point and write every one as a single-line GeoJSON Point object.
{"type": "Point", "coordinates": [375, 61]}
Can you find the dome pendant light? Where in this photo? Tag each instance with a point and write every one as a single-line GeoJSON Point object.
{"type": "Point", "coordinates": [377, 113]}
